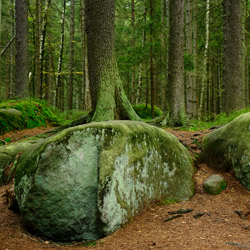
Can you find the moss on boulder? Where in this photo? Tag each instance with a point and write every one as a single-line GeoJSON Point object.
{"type": "Point", "coordinates": [228, 148]}
{"type": "Point", "coordinates": [10, 154]}
{"type": "Point", "coordinates": [87, 181]}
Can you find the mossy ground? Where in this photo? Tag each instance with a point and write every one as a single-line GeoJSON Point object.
{"type": "Point", "coordinates": [31, 114]}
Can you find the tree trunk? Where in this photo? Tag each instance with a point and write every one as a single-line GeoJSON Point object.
{"type": "Point", "coordinates": [59, 86]}
{"type": "Point", "coordinates": [246, 58]}
{"type": "Point", "coordinates": [152, 70]}
{"type": "Point", "coordinates": [166, 101]}
{"type": "Point", "coordinates": [41, 47]}
{"type": "Point", "coordinates": [176, 63]}
{"type": "Point", "coordinates": [108, 97]}
{"type": "Point", "coordinates": [11, 93]}
{"type": "Point", "coordinates": [189, 50]}
{"type": "Point", "coordinates": [37, 52]}
{"type": "Point", "coordinates": [232, 76]}
{"type": "Point", "coordinates": [71, 55]}
{"type": "Point", "coordinates": [138, 94]}
{"type": "Point", "coordinates": [22, 67]}
{"type": "Point", "coordinates": [195, 56]}
{"type": "Point", "coordinates": [133, 95]}
{"type": "Point", "coordinates": [205, 62]}
{"type": "Point", "coordinates": [163, 54]}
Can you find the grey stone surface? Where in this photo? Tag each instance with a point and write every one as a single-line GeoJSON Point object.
{"type": "Point", "coordinates": [215, 184]}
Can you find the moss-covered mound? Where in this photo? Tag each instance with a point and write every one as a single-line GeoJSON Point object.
{"type": "Point", "coordinates": [228, 148]}
{"type": "Point", "coordinates": [87, 181]}
{"type": "Point", "coordinates": [17, 115]}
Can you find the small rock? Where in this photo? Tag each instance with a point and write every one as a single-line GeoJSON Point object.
{"type": "Point", "coordinates": [214, 184]}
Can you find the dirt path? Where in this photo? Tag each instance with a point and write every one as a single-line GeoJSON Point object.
{"type": "Point", "coordinates": [219, 228]}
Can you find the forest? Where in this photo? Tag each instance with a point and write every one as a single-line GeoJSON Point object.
{"type": "Point", "coordinates": [203, 69]}
{"type": "Point", "coordinates": [124, 124]}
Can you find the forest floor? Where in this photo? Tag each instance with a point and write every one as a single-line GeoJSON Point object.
{"type": "Point", "coordinates": [218, 224]}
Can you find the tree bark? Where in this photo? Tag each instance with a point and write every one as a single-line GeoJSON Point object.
{"type": "Point", "coordinates": [189, 51]}
{"type": "Point", "coordinates": [41, 47]}
{"type": "Point", "coordinates": [176, 63]}
{"type": "Point", "coordinates": [108, 97]}
{"type": "Point", "coordinates": [71, 55]}
{"type": "Point", "coordinates": [22, 67]}
{"type": "Point", "coordinates": [37, 43]}
{"type": "Point", "coordinates": [232, 76]}
{"type": "Point", "coordinates": [245, 58]}
{"type": "Point", "coordinates": [133, 95]}
{"type": "Point", "coordinates": [152, 67]}
{"type": "Point", "coordinates": [59, 85]}
{"type": "Point", "coordinates": [195, 56]}
{"type": "Point", "coordinates": [205, 62]}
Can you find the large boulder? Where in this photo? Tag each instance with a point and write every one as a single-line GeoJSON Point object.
{"type": "Point", "coordinates": [87, 181]}
{"type": "Point", "coordinates": [228, 148]}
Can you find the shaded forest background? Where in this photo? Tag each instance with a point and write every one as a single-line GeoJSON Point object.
{"type": "Point", "coordinates": [58, 64]}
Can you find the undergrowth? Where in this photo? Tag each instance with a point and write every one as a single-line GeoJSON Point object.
{"type": "Point", "coordinates": [17, 115]}
{"type": "Point", "coordinates": [221, 119]}
{"type": "Point", "coordinates": [145, 112]}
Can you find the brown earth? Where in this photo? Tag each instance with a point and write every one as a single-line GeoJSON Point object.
{"type": "Point", "coordinates": [220, 227]}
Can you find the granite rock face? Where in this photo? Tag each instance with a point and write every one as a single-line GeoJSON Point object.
{"type": "Point", "coordinates": [228, 148]}
{"type": "Point", "coordinates": [87, 181]}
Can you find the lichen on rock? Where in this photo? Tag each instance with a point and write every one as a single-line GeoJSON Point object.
{"type": "Point", "coordinates": [215, 184]}
{"type": "Point", "coordinates": [87, 181]}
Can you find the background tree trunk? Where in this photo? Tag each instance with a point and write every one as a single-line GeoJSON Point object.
{"type": "Point", "coordinates": [41, 47]}
{"type": "Point", "coordinates": [189, 52]}
{"type": "Point", "coordinates": [59, 85]}
{"type": "Point", "coordinates": [133, 92]}
{"type": "Point", "coordinates": [205, 64]}
{"type": "Point", "coordinates": [22, 70]}
{"type": "Point", "coordinates": [232, 74]}
{"type": "Point", "coordinates": [71, 55]}
{"type": "Point", "coordinates": [176, 63]}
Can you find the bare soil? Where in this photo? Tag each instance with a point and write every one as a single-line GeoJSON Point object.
{"type": "Point", "coordinates": [220, 227]}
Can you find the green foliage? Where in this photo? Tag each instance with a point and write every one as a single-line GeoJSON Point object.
{"type": "Point", "coordinates": [28, 113]}
{"type": "Point", "coordinates": [145, 112]}
{"type": "Point", "coordinates": [69, 115]}
{"type": "Point", "coordinates": [221, 119]}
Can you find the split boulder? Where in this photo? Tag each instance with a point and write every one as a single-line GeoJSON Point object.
{"type": "Point", "coordinates": [87, 181]}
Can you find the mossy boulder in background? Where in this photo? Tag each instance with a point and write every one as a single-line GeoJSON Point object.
{"type": "Point", "coordinates": [87, 181]}
{"type": "Point", "coordinates": [215, 184]}
{"type": "Point", "coordinates": [18, 115]}
{"type": "Point", "coordinates": [228, 148]}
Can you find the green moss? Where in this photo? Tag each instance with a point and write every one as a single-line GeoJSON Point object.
{"type": "Point", "coordinates": [18, 115]}
{"type": "Point", "coordinates": [144, 111]}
